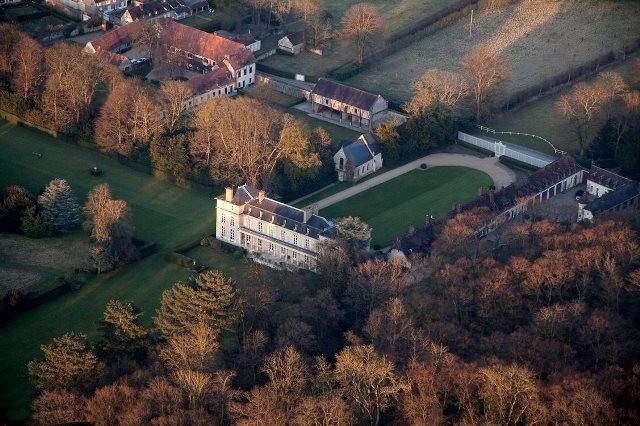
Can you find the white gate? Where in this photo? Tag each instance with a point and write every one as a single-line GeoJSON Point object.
{"type": "Point", "coordinates": [515, 152]}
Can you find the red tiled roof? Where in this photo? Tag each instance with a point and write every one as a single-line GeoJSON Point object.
{"type": "Point", "coordinates": [210, 81]}
{"type": "Point", "coordinates": [209, 46]}
{"type": "Point", "coordinates": [185, 38]}
{"type": "Point", "coordinates": [116, 37]}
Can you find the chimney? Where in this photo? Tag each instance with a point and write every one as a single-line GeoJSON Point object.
{"type": "Point", "coordinates": [273, 218]}
{"type": "Point", "coordinates": [309, 211]}
{"type": "Point", "coordinates": [228, 195]}
{"type": "Point", "coordinates": [260, 214]}
{"type": "Point", "coordinates": [260, 196]}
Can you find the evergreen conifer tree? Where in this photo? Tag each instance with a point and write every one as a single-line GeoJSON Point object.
{"type": "Point", "coordinates": [60, 209]}
{"type": "Point", "coordinates": [210, 298]}
{"type": "Point", "coordinates": [33, 225]}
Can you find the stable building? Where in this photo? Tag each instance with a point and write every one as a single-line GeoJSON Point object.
{"type": "Point", "coordinates": [607, 192]}
{"type": "Point", "coordinates": [347, 104]}
{"type": "Point", "coordinates": [358, 158]}
{"type": "Point", "coordinates": [274, 233]}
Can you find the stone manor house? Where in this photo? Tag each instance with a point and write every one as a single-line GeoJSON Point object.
{"type": "Point", "coordinates": [273, 233]}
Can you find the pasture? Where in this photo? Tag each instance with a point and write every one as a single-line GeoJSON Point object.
{"type": "Point", "coordinates": [396, 15]}
{"type": "Point", "coordinates": [390, 208]}
{"type": "Point", "coordinates": [541, 118]}
{"type": "Point", "coordinates": [538, 39]}
{"type": "Point", "coordinates": [162, 213]}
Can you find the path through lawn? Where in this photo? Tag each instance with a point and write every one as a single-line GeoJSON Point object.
{"type": "Point", "coordinates": [390, 208]}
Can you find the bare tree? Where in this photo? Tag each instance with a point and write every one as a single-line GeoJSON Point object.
{"type": "Point", "coordinates": [28, 70]}
{"type": "Point", "coordinates": [362, 24]}
{"type": "Point", "coordinates": [583, 107]}
{"type": "Point", "coordinates": [9, 36]}
{"type": "Point", "coordinates": [367, 379]}
{"type": "Point", "coordinates": [173, 95]}
{"type": "Point", "coordinates": [241, 140]}
{"type": "Point", "coordinates": [483, 69]}
{"type": "Point", "coordinates": [437, 87]}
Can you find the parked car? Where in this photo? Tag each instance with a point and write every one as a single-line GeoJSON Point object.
{"type": "Point", "coordinates": [579, 194]}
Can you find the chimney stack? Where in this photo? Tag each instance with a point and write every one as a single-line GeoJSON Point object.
{"type": "Point", "coordinates": [228, 195]}
{"type": "Point", "coordinates": [260, 196]}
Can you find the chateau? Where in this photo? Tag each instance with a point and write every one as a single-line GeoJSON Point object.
{"type": "Point", "coordinates": [273, 233]}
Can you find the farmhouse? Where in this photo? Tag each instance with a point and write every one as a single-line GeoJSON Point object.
{"type": "Point", "coordinates": [274, 233]}
{"type": "Point", "coordinates": [358, 158]}
{"type": "Point", "coordinates": [86, 9]}
{"type": "Point", "coordinates": [174, 9]}
{"type": "Point", "coordinates": [347, 104]}
{"type": "Point", "coordinates": [292, 43]}
{"type": "Point", "coordinates": [203, 52]}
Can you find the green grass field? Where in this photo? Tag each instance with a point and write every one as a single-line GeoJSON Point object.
{"type": "Point", "coordinates": [542, 118]}
{"type": "Point", "coordinates": [162, 212]}
{"type": "Point", "coordinates": [396, 15]}
{"type": "Point", "coordinates": [390, 208]}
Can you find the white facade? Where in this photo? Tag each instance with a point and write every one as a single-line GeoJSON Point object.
{"type": "Point", "coordinates": [195, 101]}
{"type": "Point", "coordinates": [244, 76]}
{"type": "Point", "coordinates": [596, 189]}
{"type": "Point", "coordinates": [267, 237]}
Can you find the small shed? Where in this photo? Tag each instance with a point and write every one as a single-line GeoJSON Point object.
{"type": "Point", "coordinates": [292, 43]}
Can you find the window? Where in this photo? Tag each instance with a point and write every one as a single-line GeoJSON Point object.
{"type": "Point", "coordinates": [232, 222]}
{"type": "Point", "coordinates": [272, 230]}
{"type": "Point", "coordinates": [283, 236]}
{"type": "Point", "coordinates": [251, 69]}
{"type": "Point", "coordinates": [306, 259]}
{"type": "Point", "coordinates": [248, 240]}
{"type": "Point", "coordinates": [232, 234]}
{"type": "Point", "coordinates": [223, 218]}
{"type": "Point", "coordinates": [306, 243]}
{"type": "Point", "coordinates": [245, 72]}
{"type": "Point", "coordinates": [260, 227]}
{"type": "Point", "coordinates": [223, 230]}
{"type": "Point", "coordinates": [295, 239]}
{"type": "Point", "coordinates": [271, 247]}
{"type": "Point", "coordinates": [259, 244]}
{"type": "Point", "coordinates": [295, 255]}
{"type": "Point", "coordinates": [282, 251]}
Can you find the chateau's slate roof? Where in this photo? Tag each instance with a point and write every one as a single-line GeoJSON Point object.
{"type": "Point", "coordinates": [279, 213]}
{"type": "Point", "coordinates": [345, 94]}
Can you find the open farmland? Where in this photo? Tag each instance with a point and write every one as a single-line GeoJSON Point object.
{"type": "Point", "coordinates": [396, 15]}
{"type": "Point", "coordinates": [538, 39]}
{"type": "Point", "coordinates": [541, 118]}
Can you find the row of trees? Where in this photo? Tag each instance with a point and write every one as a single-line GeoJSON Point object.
{"type": "Point", "coordinates": [541, 330]}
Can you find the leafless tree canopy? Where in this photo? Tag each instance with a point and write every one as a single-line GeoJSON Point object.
{"type": "Point", "coordinates": [437, 86]}
{"type": "Point", "coordinates": [362, 24]}
{"type": "Point", "coordinates": [483, 69]}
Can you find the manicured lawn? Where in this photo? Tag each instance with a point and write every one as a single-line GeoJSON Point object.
{"type": "Point", "coordinates": [390, 208]}
{"type": "Point", "coordinates": [162, 212]}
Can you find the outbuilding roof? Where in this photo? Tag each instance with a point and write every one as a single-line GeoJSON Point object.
{"type": "Point", "coordinates": [616, 197]}
{"type": "Point", "coordinates": [345, 94]}
{"type": "Point", "coordinates": [362, 149]}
